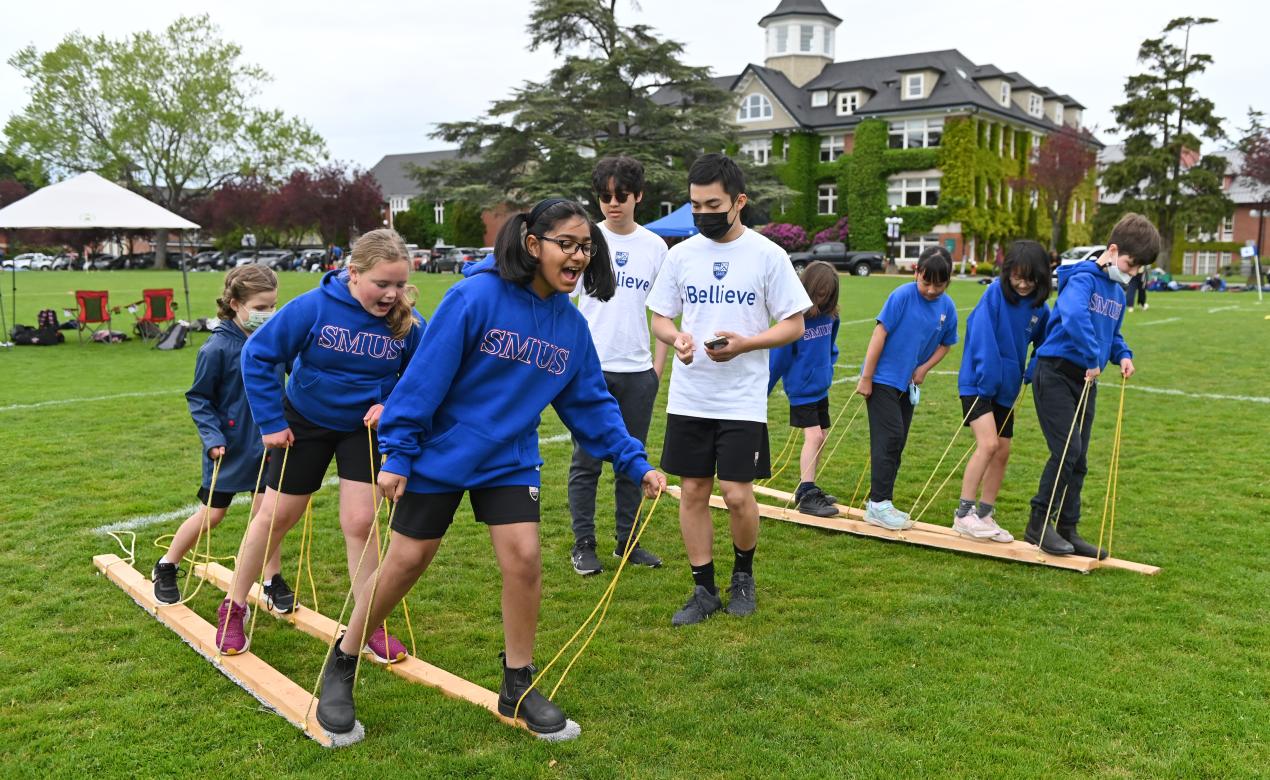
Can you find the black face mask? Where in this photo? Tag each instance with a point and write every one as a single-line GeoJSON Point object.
{"type": "Point", "coordinates": [713, 226]}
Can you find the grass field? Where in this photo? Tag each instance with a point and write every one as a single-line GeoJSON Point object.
{"type": "Point", "coordinates": [865, 659]}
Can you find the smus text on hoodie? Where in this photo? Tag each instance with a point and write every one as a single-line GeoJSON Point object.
{"type": "Point", "coordinates": [343, 359]}
{"type": "Point", "coordinates": [806, 365]}
{"type": "Point", "coordinates": [465, 414]}
{"type": "Point", "coordinates": [1085, 324]}
{"type": "Point", "coordinates": [998, 333]}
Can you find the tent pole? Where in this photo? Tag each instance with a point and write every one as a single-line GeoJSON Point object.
{"type": "Point", "coordinates": [185, 279]}
{"type": "Point", "coordinates": [14, 302]}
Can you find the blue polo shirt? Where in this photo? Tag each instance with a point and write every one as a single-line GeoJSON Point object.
{"type": "Point", "coordinates": [915, 327]}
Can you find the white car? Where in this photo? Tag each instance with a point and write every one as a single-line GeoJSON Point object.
{"type": "Point", "coordinates": [24, 261]}
{"type": "Point", "coordinates": [41, 263]}
{"type": "Point", "coordinates": [1079, 253]}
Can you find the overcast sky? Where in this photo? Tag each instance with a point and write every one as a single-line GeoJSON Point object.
{"type": "Point", "coordinates": [375, 84]}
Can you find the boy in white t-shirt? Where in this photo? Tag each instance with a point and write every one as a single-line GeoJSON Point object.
{"type": "Point", "coordinates": [729, 284]}
{"type": "Point", "coordinates": [619, 328]}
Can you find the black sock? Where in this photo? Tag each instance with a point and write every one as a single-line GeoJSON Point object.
{"type": "Point", "coordinates": [703, 575]}
{"type": "Point", "coordinates": [964, 506]}
{"type": "Point", "coordinates": [744, 563]}
{"type": "Point", "coordinates": [985, 509]}
{"type": "Point", "coordinates": [802, 489]}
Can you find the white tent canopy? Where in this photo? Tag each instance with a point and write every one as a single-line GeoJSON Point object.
{"type": "Point", "coordinates": [89, 201]}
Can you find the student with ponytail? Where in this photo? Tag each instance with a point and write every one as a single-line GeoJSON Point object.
{"type": "Point", "coordinates": [345, 344]}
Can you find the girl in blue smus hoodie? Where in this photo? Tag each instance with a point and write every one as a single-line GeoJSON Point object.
{"type": "Point", "coordinates": [1009, 317]}
{"type": "Point", "coordinates": [345, 344]}
{"type": "Point", "coordinates": [806, 366]}
{"type": "Point", "coordinates": [504, 343]}
{"type": "Point", "coordinates": [225, 427]}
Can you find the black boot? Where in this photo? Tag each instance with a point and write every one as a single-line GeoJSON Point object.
{"type": "Point", "coordinates": [539, 713]}
{"type": "Point", "coordinates": [336, 711]}
{"type": "Point", "coordinates": [1045, 536]}
{"type": "Point", "coordinates": [1081, 547]}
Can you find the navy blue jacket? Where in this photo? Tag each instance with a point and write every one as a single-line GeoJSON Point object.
{"type": "Point", "coordinates": [806, 365]}
{"type": "Point", "coordinates": [994, 358]}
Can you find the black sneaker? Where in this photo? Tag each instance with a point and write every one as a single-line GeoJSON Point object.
{"type": "Point", "coordinates": [815, 502]}
{"type": "Point", "coordinates": [639, 556]}
{"type": "Point", "coordinates": [165, 587]}
{"type": "Point", "coordinates": [539, 714]}
{"type": "Point", "coordinates": [585, 561]}
{"type": "Point", "coordinates": [336, 711]}
{"type": "Point", "coordinates": [828, 498]}
{"type": "Point", "coordinates": [742, 601]}
{"type": "Point", "coordinates": [279, 595]}
{"type": "Point", "coordinates": [700, 605]}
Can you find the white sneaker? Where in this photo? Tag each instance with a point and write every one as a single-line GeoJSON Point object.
{"type": "Point", "coordinates": [1146, 306]}
{"type": "Point", "coordinates": [999, 534]}
{"type": "Point", "coordinates": [972, 526]}
{"type": "Point", "coordinates": [884, 515]}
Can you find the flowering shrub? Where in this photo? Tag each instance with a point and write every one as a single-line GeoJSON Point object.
{"type": "Point", "coordinates": [791, 238]}
{"type": "Point", "coordinates": [836, 233]}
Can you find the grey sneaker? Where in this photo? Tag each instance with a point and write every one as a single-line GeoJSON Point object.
{"type": "Point", "coordinates": [700, 605]}
{"type": "Point", "coordinates": [585, 561]}
{"type": "Point", "coordinates": [884, 515]}
{"type": "Point", "coordinates": [742, 601]}
{"type": "Point", "coordinates": [639, 556]}
{"type": "Point", "coordinates": [815, 502]}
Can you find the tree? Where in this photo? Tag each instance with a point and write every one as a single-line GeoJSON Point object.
{"type": "Point", "coordinates": [1059, 165]}
{"type": "Point", "coordinates": [170, 115]}
{"type": "Point", "coordinates": [1255, 147]}
{"type": "Point", "coordinates": [469, 228]}
{"type": "Point", "coordinates": [1161, 115]}
{"type": "Point", "coordinates": [599, 101]}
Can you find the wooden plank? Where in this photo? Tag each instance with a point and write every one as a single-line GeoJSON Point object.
{"type": "Point", "coordinates": [317, 625]}
{"type": "Point", "coordinates": [261, 680]}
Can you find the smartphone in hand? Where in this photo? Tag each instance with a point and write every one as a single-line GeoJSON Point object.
{"type": "Point", "coordinates": [718, 342]}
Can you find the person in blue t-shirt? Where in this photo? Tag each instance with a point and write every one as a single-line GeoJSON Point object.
{"type": "Point", "coordinates": [504, 343]}
{"type": "Point", "coordinates": [1083, 334]}
{"type": "Point", "coordinates": [806, 367]}
{"type": "Point", "coordinates": [916, 327]}
{"type": "Point", "coordinates": [1010, 316]}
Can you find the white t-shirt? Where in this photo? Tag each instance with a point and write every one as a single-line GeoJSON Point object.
{"type": "Point", "coordinates": [742, 286]}
{"type": "Point", "coordinates": [619, 326]}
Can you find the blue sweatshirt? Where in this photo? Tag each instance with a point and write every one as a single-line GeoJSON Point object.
{"type": "Point", "coordinates": [806, 365]}
{"type": "Point", "coordinates": [1085, 324]}
{"type": "Point", "coordinates": [343, 359]}
{"type": "Point", "coordinates": [994, 357]}
{"type": "Point", "coordinates": [915, 328]}
{"type": "Point", "coordinates": [465, 414]}
{"type": "Point", "coordinates": [221, 413]}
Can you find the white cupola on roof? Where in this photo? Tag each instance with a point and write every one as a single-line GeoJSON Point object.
{"type": "Point", "coordinates": [800, 39]}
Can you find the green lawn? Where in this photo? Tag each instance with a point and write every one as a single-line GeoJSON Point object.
{"type": "Point", "coordinates": [865, 658]}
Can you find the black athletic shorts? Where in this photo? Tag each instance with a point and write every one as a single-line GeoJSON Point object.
{"type": "Point", "coordinates": [735, 450]}
{"type": "Point", "coordinates": [312, 451]}
{"type": "Point", "coordinates": [221, 499]}
{"type": "Point", "coordinates": [810, 415]}
{"type": "Point", "coordinates": [428, 515]}
{"type": "Point", "coordinates": [974, 407]}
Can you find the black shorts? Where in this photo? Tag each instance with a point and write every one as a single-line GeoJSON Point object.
{"type": "Point", "coordinates": [735, 450]}
{"type": "Point", "coordinates": [810, 415]}
{"type": "Point", "coordinates": [428, 515]}
{"type": "Point", "coordinates": [974, 407]}
{"type": "Point", "coordinates": [311, 454]}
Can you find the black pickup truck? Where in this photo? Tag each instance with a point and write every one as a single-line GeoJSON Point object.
{"type": "Point", "coordinates": [837, 254]}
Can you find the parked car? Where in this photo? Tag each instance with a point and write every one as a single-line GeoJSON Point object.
{"type": "Point", "coordinates": [42, 263]}
{"type": "Point", "coordinates": [103, 262]}
{"type": "Point", "coordinates": [245, 257]}
{"type": "Point", "coordinates": [26, 261]}
{"type": "Point", "coordinates": [836, 253]}
{"type": "Point", "coordinates": [311, 260]}
{"type": "Point", "coordinates": [208, 261]}
{"type": "Point", "coordinates": [455, 259]}
{"type": "Point", "coordinates": [420, 259]}
{"type": "Point", "coordinates": [1079, 253]}
{"type": "Point", "coordinates": [66, 262]}
{"type": "Point", "coordinates": [277, 259]}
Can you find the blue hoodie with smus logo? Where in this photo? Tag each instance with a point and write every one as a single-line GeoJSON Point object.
{"type": "Point", "coordinates": [1085, 324]}
{"type": "Point", "coordinates": [806, 365]}
{"type": "Point", "coordinates": [343, 359]}
{"type": "Point", "coordinates": [998, 333]}
{"type": "Point", "coordinates": [466, 412]}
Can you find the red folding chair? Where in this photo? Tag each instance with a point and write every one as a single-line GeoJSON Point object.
{"type": "Point", "coordinates": [94, 309]}
{"type": "Point", "coordinates": [158, 308]}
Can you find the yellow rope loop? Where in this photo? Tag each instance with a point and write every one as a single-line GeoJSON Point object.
{"type": "Point", "coordinates": [306, 533]}
{"type": "Point", "coordinates": [129, 550]}
{"type": "Point", "coordinates": [940, 462]}
{"type": "Point", "coordinates": [233, 578]}
{"type": "Point", "coordinates": [781, 459]}
{"type": "Point", "coordinates": [1114, 477]}
{"type": "Point", "coordinates": [205, 527]}
{"type": "Point", "coordinates": [1111, 469]}
{"type": "Point", "coordinates": [308, 560]}
{"type": "Point", "coordinates": [842, 435]}
{"type": "Point", "coordinates": [868, 461]}
{"type": "Point", "coordinates": [1077, 417]}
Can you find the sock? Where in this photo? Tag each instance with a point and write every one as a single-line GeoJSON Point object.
{"type": "Point", "coordinates": [744, 563]}
{"type": "Point", "coordinates": [164, 559]}
{"type": "Point", "coordinates": [703, 575]}
{"type": "Point", "coordinates": [985, 509]}
{"type": "Point", "coordinates": [964, 506]}
{"type": "Point", "coordinates": [803, 487]}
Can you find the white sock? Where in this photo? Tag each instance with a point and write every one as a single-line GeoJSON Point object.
{"type": "Point", "coordinates": [164, 559]}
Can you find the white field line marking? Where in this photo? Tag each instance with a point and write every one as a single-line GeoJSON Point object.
{"type": "Point", "coordinates": [143, 521]}
{"type": "Point", "coordinates": [1221, 308]}
{"type": "Point", "coordinates": [559, 437]}
{"type": "Point", "coordinates": [1159, 322]}
{"type": "Point", "coordinates": [1256, 399]}
{"type": "Point", "coordinates": [65, 401]}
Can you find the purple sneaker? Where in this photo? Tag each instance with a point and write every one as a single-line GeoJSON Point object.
{"type": "Point", "coordinates": [230, 637]}
{"type": "Point", "coordinates": [384, 647]}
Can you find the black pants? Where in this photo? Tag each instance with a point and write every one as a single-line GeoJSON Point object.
{"type": "Point", "coordinates": [635, 394]}
{"type": "Point", "coordinates": [890, 415]}
{"type": "Point", "coordinates": [1056, 389]}
{"type": "Point", "coordinates": [1137, 286]}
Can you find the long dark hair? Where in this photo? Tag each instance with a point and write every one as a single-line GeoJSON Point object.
{"type": "Point", "coordinates": [1029, 260]}
{"type": "Point", "coordinates": [820, 280]}
{"type": "Point", "coordinates": [516, 265]}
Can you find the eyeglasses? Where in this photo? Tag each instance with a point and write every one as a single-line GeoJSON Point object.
{"type": "Point", "coordinates": [618, 196]}
{"type": "Point", "coordinates": [569, 246]}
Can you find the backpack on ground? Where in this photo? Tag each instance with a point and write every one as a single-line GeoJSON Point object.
{"type": "Point", "coordinates": [174, 337]}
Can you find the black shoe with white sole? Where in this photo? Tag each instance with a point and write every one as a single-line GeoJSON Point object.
{"type": "Point", "coordinates": [639, 556]}
{"type": "Point", "coordinates": [166, 590]}
{"type": "Point", "coordinates": [279, 594]}
{"type": "Point", "coordinates": [583, 557]}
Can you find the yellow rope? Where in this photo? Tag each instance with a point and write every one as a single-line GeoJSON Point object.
{"type": "Point", "coordinates": [841, 435]}
{"type": "Point", "coordinates": [304, 561]}
{"type": "Point", "coordinates": [1113, 473]}
{"type": "Point", "coordinates": [273, 515]}
{"type": "Point", "coordinates": [868, 461]}
{"type": "Point", "coordinates": [1077, 418]}
{"type": "Point", "coordinates": [940, 462]}
{"type": "Point", "coordinates": [782, 458]}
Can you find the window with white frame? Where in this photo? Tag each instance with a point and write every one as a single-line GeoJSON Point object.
{"type": "Point", "coordinates": [754, 106]}
{"type": "Point", "coordinates": [759, 150]}
{"type": "Point", "coordinates": [782, 38]}
{"type": "Point", "coordinates": [438, 212]}
{"type": "Point", "coordinates": [1058, 113]}
{"type": "Point", "coordinates": [831, 147]}
{"type": "Point", "coordinates": [1005, 94]}
{"type": "Point", "coordinates": [398, 204]}
{"type": "Point", "coordinates": [914, 86]}
{"type": "Point", "coordinates": [1206, 263]}
{"type": "Point", "coordinates": [1036, 140]}
{"type": "Point", "coordinates": [916, 133]}
{"type": "Point", "coordinates": [911, 247]}
{"type": "Point", "coordinates": [1035, 105]}
{"type": "Point", "coordinates": [666, 208]}
{"type": "Point", "coordinates": [1227, 229]}
{"type": "Point", "coordinates": [820, 98]}
{"type": "Point", "coordinates": [804, 38]}
{"type": "Point", "coordinates": [913, 191]}
{"type": "Point", "coordinates": [848, 102]}
{"type": "Point", "coordinates": [827, 199]}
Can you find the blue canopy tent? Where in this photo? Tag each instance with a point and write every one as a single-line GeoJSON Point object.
{"type": "Point", "coordinates": [677, 224]}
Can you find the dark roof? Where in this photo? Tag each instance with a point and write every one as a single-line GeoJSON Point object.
{"type": "Point", "coordinates": [800, 8]}
{"type": "Point", "coordinates": [669, 95]}
{"type": "Point", "coordinates": [393, 171]}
